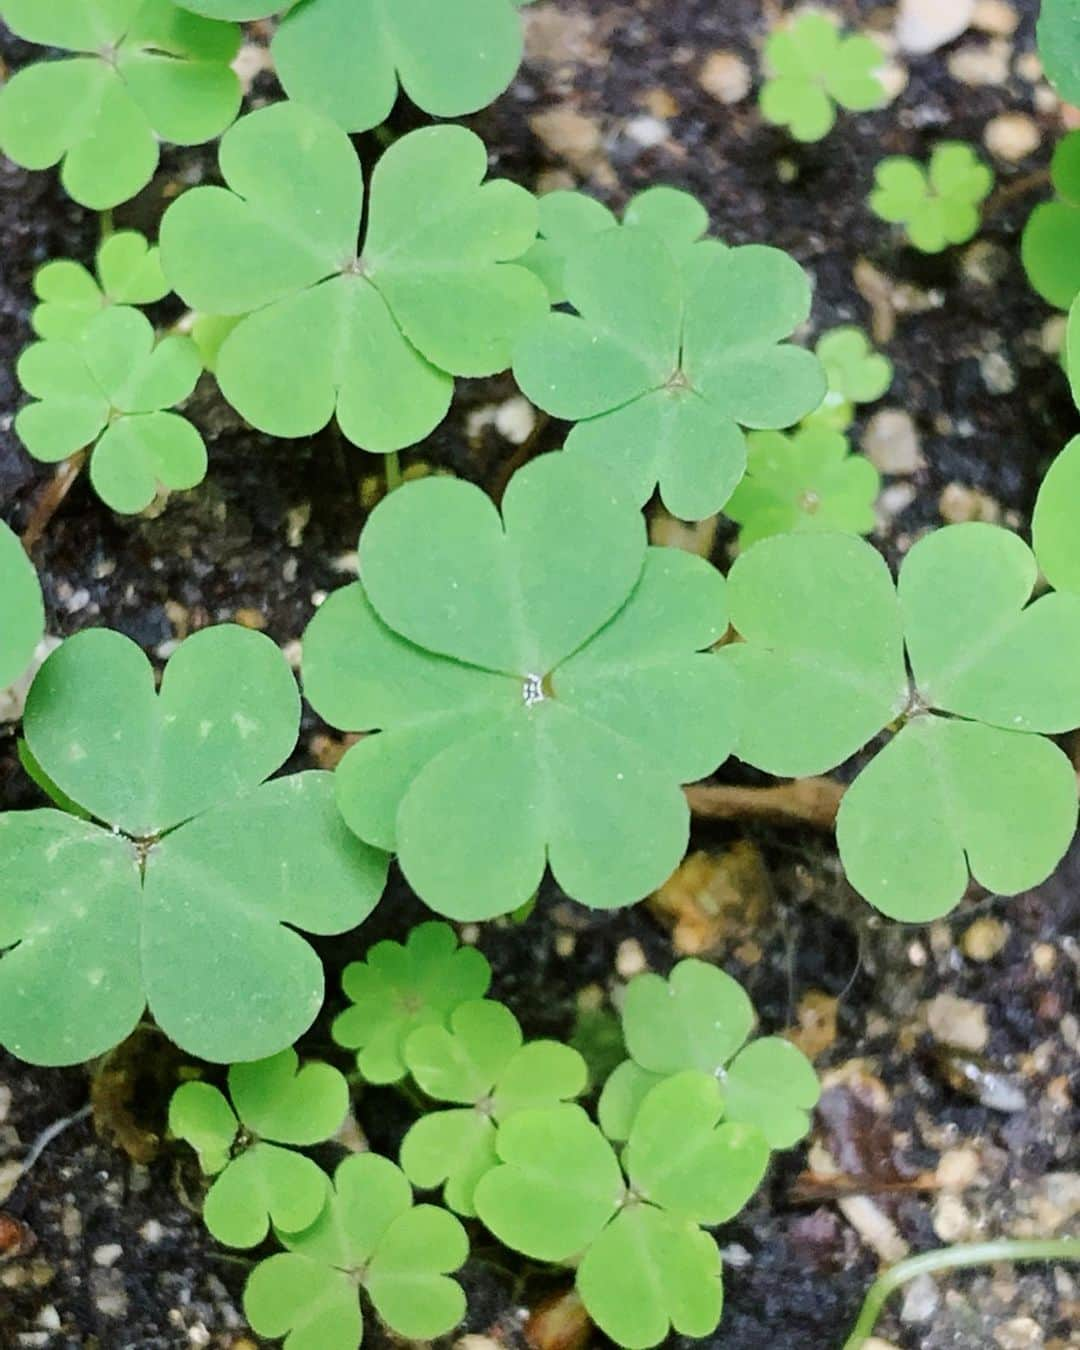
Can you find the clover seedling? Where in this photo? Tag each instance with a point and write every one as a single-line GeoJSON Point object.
{"type": "Point", "coordinates": [645, 1266]}
{"type": "Point", "coordinates": [806, 481]}
{"type": "Point", "coordinates": [939, 206]}
{"type": "Point", "coordinates": [256, 1181]}
{"type": "Point", "coordinates": [1050, 247]}
{"type": "Point", "coordinates": [374, 336]}
{"type": "Point", "coordinates": [22, 613]}
{"type": "Point", "coordinates": [543, 670]}
{"type": "Point", "coordinates": [108, 387]}
{"type": "Point", "coordinates": [700, 1018]}
{"type": "Point", "coordinates": [660, 369]}
{"type": "Point", "coordinates": [128, 273]}
{"type": "Point", "coordinates": [188, 893]}
{"type": "Point", "coordinates": [482, 1062]}
{"type": "Point", "coordinates": [346, 57]}
{"type": "Point", "coordinates": [855, 374]}
{"type": "Point", "coordinates": [141, 71]}
{"type": "Point", "coordinates": [397, 989]}
{"type": "Point", "coordinates": [1054, 525]}
{"type": "Point", "coordinates": [965, 783]}
{"type": "Point", "coordinates": [812, 69]}
{"type": "Point", "coordinates": [370, 1236]}
{"type": "Point", "coordinates": [1059, 46]}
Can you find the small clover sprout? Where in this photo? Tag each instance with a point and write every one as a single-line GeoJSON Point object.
{"type": "Point", "coordinates": [812, 69]}
{"type": "Point", "coordinates": [547, 676]}
{"type": "Point", "coordinates": [141, 71]}
{"type": "Point", "coordinates": [346, 57]}
{"type": "Point", "coordinates": [939, 206]}
{"type": "Point", "coordinates": [700, 1018]}
{"type": "Point", "coordinates": [855, 374]}
{"type": "Point", "coordinates": [1056, 539]}
{"type": "Point", "coordinates": [256, 1181]}
{"type": "Point", "coordinates": [1050, 247]}
{"type": "Point", "coordinates": [966, 783]}
{"type": "Point", "coordinates": [108, 387]}
{"type": "Point", "coordinates": [661, 369]}
{"type": "Point", "coordinates": [128, 273]}
{"type": "Point", "coordinates": [561, 1192]}
{"type": "Point", "coordinates": [370, 1236]}
{"type": "Point", "coordinates": [482, 1062]}
{"type": "Point", "coordinates": [376, 336]}
{"type": "Point", "coordinates": [806, 481]}
{"type": "Point", "coordinates": [397, 989]}
{"type": "Point", "coordinates": [188, 893]}
{"type": "Point", "coordinates": [22, 613]}
{"type": "Point", "coordinates": [1059, 46]}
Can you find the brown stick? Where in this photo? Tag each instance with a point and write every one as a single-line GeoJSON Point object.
{"type": "Point", "coordinates": [1019, 187]}
{"type": "Point", "coordinates": [806, 801]}
{"type": "Point", "coordinates": [51, 497]}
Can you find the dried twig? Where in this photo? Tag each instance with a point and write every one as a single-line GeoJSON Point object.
{"type": "Point", "coordinates": [51, 497]}
{"type": "Point", "coordinates": [807, 801]}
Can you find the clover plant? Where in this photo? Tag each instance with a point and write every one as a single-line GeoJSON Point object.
{"type": "Point", "coordinates": [22, 612]}
{"type": "Point", "coordinates": [109, 387]}
{"type": "Point", "coordinates": [128, 273]}
{"type": "Point", "coordinates": [186, 887]}
{"type": "Point", "coordinates": [812, 69]}
{"type": "Point", "coordinates": [805, 481]}
{"type": "Point", "coordinates": [1050, 247]}
{"type": "Point", "coordinates": [1053, 527]}
{"type": "Point", "coordinates": [543, 670]}
{"type": "Point", "coordinates": [369, 1236]}
{"type": "Point", "coordinates": [347, 57]}
{"type": "Point", "coordinates": [661, 367]}
{"type": "Point", "coordinates": [855, 372]}
{"type": "Point", "coordinates": [274, 1102]}
{"type": "Point", "coordinates": [376, 335]}
{"type": "Point", "coordinates": [967, 783]}
{"type": "Point", "coordinates": [398, 988]}
{"type": "Point", "coordinates": [140, 72]}
{"type": "Point", "coordinates": [938, 205]}
{"type": "Point", "coordinates": [1059, 46]}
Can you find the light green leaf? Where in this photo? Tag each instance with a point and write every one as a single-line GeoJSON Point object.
{"type": "Point", "coordinates": [453, 1149]}
{"type": "Point", "coordinates": [696, 1019]}
{"type": "Point", "coordinates": [623, 1093]}
{"type": "Point", "coordinates": [277, 1099]}
{"type": "Point", "coordinates": [811, 68]}
{"type": "Point", "coordinates": [1050, 247]}
{"type": "Point", "coordinates": [312, 1305]}
{"type": "Point", "coordinates": [938, 206]}
{"type": "Point", "coordinates": [772, 1085]}
{"type": "Point", "coordinates": [1059, 46]}
{"type": "Point", "coordinates": [129, 272]}
{"type": "Point", "coordinates": [201, 1115]}
{"type": "Point", "coordinates": [22, 613]}
{"type": "Point", "coordinates": [1053, 528]}
{"type": "Point", "coordinates": [264, 1184]}
{"type": "Point", "coordinates": [462, 1063]}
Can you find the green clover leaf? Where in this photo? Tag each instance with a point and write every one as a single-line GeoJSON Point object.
{"type": "Point", "coordinates": [374, 337]}
{"type": "Point", "coordinates": [128, 273]}
{"type": "Point", "coordinates": [939, 206]}
{"type": "Point", "coordinates": [397, 989]}
{"type": "Point", "coordinates": [812, 69]}
{"type": "Point", "coordinates": [108, 387]}
{"type": "Point", "coordinates": [1072, 351]}
{"type": "Point", "coordinates": [561, 666]}
{"type": "Point", "coordinates": [181, 896]}
{"type": "Point", "coordinates": [1053, 525]}
{"type": "Point", "coordinates": [482, 1062]}
{"type": "Point", "coordinates": [855, 374]}
{"type": "Point", "coordinates": [660, 369]}
{"type": "Point", "coordinates": [22, 612]}
{"type": "Point", "coordinates": [806, 481]}
{"type": "Point", "coordinates": [142, 71]}
{"type": "Point", "coordinates": [1050, 247]}
{"type": "Point", "coordinates": [823, 665]}
{"type": "Point", "coordinates": [1059, 46]}
{"type": "Point", "coordinates": [274, 1102]}
{"type": "Point", "coordinates": [369, 1236]}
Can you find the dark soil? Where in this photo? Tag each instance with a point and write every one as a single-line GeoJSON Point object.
{"type": "Point", "coordinates": [121, 1261]}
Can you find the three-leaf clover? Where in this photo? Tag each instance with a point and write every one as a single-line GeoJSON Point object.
{"type": "Point", "coordinates": [109, 387]}
{"type": "Point", "coordinates": [128, 273]}
{"type": "Point", "coordinates": [544, 670]}
{"type": "Point", "coordinates": [1050, 247]}
{"type": "Point", "coordinates": [937, 206]}
{"type": "Point", "coordinates": [812, 69]}
{"type": "Point", "coordinates": [481, 1061]}
{"type": "Point", "coordinates": [700, 1018]}
{"type": "Point", "coordinates": [22, 612]}
{"type": "Point", "coordinates": [1055, 538]}
{"type": "Point", "coordinates": [805, 481]}
{"type": "Point", "coordinates": [140, 71]}
{"type": "Point", "coordinates": [274, 1102]}
{"type": "Point", "coordinates": [398, 988]}
{"type": "Point", "coordinates": [855, 374]}
{"type": "Point", "coordinates": [370, 1236]}
{"type": "Point", "coordinates": [347, 57]}
{"type": "Point", "coordinates": [662, 364]}
{"type": "Point", "coordinates": [964, 784]}
{"type": "Point", "coordinates": [562, 1193]}
{"type": "Point", "coordinates": [188, 893]}
{"type": "Point", "coordinates": [374, 335]}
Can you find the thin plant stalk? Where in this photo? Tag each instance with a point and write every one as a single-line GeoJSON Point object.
{"type": "Point", "coordinates": [393, 472]}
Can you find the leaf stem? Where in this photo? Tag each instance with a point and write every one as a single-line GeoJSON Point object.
{"type": "Point", "coordinates": [393, 472]}
{"type": "Point", "coordinates": [106, 223]}
{"type": "Point", "coordinates": [954, 1258]}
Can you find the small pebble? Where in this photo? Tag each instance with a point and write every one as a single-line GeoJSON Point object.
{"type": "Point", "coordinates": [1021, 1333]}
{"type": "Point", "coordinates": [5, 1101]}
{"type": "Point", "coordinates": [959, 504]}
{"type": "Point", "coordinates": [649, 132]}
{"type": "Point", "coordinates": [891, 442]}
{"type": "Point", "coordinates": [957, 1168]}
{"type": "Point", "coordinates": [925, 25]}
{"type": "Point", "coordinates": [997, 373]}
{"type": "Point", "coordinates": [958, 1022]}
{"type": "Point", "coordinates": [984, 939]}
{"type": "Point", "coordinates": [996, 17]}
{"type": "Point", "coordinates": [515, 420]}
{"type": "Point", "coordinates": [952, 1222]}
{"type": "Point", "coordinates": [981, 64]}
{"type": "Point", "coordinates": [630, 959]}
{"type": "Point", "coordinates": [921, 1300]}
{"type": "Point", "coordinates": [1012, 136]}
{"type": "Point", "coordinates": [725, 76]}
{"type": "Point", "coordinates": [108, 1254]}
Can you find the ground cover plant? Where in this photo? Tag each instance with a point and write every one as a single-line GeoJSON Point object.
{"type": "Point", "coordinates": [128, 273]}
{"type": "Point", "coordinates": [937, 205]}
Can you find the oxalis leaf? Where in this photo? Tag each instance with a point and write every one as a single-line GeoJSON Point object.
{"type": "Point", "coordinates": [274, 1102]}
{"type": "Point", "coordinates": [22, 613]}
{"type": "Point", "coordinates": [965, 783]}
{"type": "Point", "coordinates": [373, 335]}
{"type": "Point", "coordinates": [369, 1236]}
{"type": "Point", "coordinates": [181, 897]}
{"type": "Point", "coordinates": [128, 273]}
{"type": "Point", "coordinates": [545, 668]}
{"type": "Point", "coordinates": [108, 387]}
{"type": "Point", "coordinates": [1054, 525]}
{"type": "Point", "coordinates": [141, 71]}
{"type": "Point", "coordinates": [855, 372]}
{"type": "Point", "coordinates": [812, 69]}
{"type": "Point", "coordinates": [1050, 247]}
{"type": "Point", "coordinates": [660, 368]}
{"type": "Point", "coordinates": [645, 1266]}
{"type": "Point", "coordinates": [1059, 46]}
{"type": "Point", "coordinates": [938, 205]}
